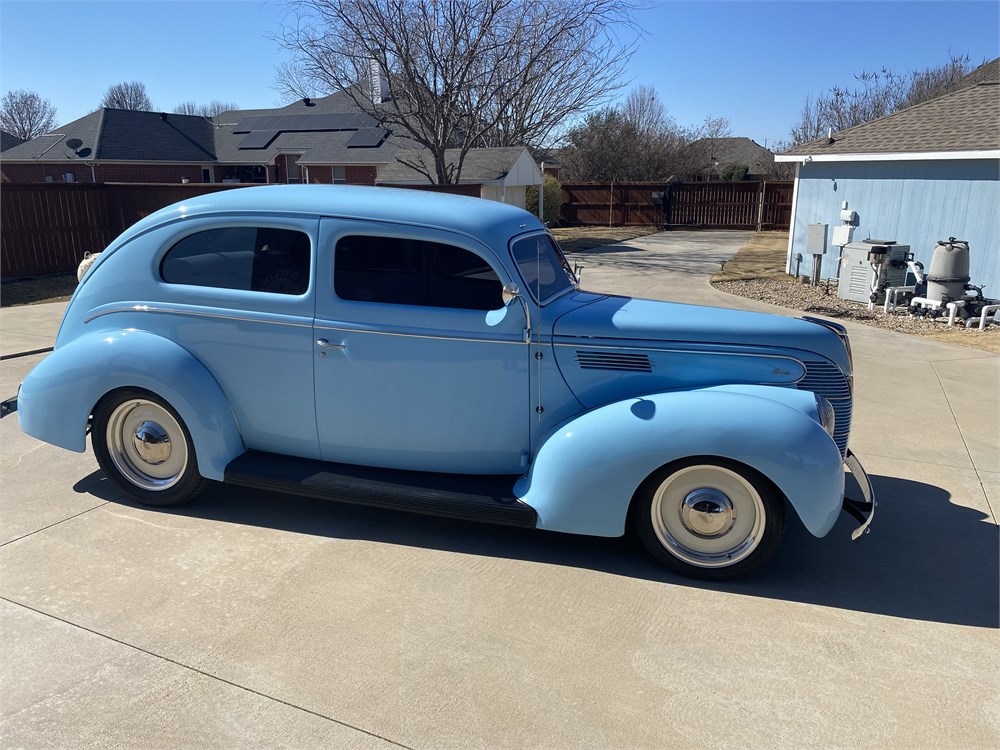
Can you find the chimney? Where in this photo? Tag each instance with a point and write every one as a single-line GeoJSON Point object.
{"type": "Point", "coordinates": [378, 85]}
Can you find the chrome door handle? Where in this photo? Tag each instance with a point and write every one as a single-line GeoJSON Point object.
{"type": "Point", "coordinates": [329, 344]}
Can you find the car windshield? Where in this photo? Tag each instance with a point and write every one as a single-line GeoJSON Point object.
{"type": "Point", "coordinates": [542, 265]}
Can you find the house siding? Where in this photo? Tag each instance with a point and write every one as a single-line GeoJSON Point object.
{"type": "Point", "coordinates": [915, 203]}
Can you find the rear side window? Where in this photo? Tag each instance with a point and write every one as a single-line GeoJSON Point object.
{"type": "Point", "coordinates": [414, 272]}
{"type": "Point", "coordinates": [253, 259]}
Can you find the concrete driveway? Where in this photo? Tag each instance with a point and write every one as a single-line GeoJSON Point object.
{"type": "Point", "coordinates": [258, 621]}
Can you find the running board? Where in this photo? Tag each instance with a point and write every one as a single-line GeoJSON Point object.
{"type": "Point", "coordinates": [488, 499]}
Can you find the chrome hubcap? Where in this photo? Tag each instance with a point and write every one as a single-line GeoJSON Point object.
{"type": "Point", "coordinates": [152, 443]}
{"type": "Point", "coordinates": [146, 444]}
{"type": "Point", "coordinates": [707, 513]}
{"type": "Point", "coordinates": [708, 516]}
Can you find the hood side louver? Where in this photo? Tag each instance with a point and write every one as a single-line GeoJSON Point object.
{"type": "Point", "coordinates": [613, 360]}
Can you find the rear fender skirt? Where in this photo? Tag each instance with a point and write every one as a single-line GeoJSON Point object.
{"type": "Point", "coordinates": [587, 470]}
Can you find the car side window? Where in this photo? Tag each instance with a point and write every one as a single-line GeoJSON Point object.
{"type": "Point", "coordinates": [399, 271]}
{"type": "Point", "coordinates": [255, 259]}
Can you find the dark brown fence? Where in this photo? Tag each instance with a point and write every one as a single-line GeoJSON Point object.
{"type": "Point", "coordinates": [46, 228]}
{"type": "Point", "coordinates": [729, 205]}
{"type": "Point", "coordinates": [617, 204]}
{"type": "Point", "coordinates": [695, 205]}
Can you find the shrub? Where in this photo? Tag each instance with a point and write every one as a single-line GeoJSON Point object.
{"type": "Point", "coordinates": [553, 199]}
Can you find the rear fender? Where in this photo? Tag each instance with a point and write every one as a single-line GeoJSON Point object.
{"type": "Point", "coordinates": [59, 395]}
{"type": "Point", "coordinates": [587, 470]}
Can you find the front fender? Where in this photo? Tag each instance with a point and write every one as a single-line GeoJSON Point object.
{"type": "Point", "coordinates": [586, 471]}
{"type": "Point", "coordinates": [58, 396]}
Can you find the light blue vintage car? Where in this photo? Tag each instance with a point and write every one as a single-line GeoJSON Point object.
{"type": "Point", "coordinates": [435, 353]}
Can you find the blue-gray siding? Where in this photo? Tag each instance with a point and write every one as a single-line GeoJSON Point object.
{"type": "Point", "coordinates": [915, 203]}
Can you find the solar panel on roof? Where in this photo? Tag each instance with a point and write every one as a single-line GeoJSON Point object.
{"type": "Point", "coordinates": [367, 138]}
{"type": "Point", "coordinates": [258, 139]}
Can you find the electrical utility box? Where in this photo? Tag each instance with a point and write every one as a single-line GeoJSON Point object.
{"type": "Point", "coordinates": [816, 239]}
{"type": "Point", "coordinates": [856, 267]}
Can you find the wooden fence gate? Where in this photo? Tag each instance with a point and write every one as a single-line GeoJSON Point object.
{"type": "Point", "coordinates": [693, 205]}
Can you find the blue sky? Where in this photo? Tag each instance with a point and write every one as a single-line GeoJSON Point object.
{"type": "Point", "coordinates": [752, 62]}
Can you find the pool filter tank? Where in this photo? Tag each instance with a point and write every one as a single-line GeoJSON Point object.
{"type": "Point", "coordinates": [949, 271]}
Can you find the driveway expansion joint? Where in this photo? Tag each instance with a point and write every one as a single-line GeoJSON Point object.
{"type": "Point", "coordinates": [209, 675]}
{"type": "Point", "coordinates": [56, 523]}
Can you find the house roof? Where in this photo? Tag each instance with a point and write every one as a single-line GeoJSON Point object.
{"type": "Point", "coordinates": [726, 151]}
{"type": "Point", "coordinates": [962, 121]}
{"type": "Point", "coordinates": [986, 73]}
{"type": "Point", "coordinates": [122, 135]}
{"type": "Point", "coordinates": [480, 165]}
{"type": "Point", "coordinates": [8, 140]}
{"type": "Point", "coordinates": [330, 130]}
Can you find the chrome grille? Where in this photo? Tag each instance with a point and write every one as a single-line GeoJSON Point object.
{"type": "Point", "coordinates": [829, 382]}
{"type": "Point", "coordinates": [613, 360]}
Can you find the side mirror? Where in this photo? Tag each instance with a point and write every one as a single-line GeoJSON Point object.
{"type": "Point", "coordinates": [510, 292]}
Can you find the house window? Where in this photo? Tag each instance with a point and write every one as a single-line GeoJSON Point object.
{"type": "Point", "coordinates": [340, 174]}
{"type": "Point", "coordinates": [414, 272]}
{"type": "Point", "coordinates": [206, 174]}
{"type": "Point", "coordinates": [292, 167]}
{"type": "Point", "coordinates": [253, 259]}
{"type": "Point", "coordinates": [69, 177]}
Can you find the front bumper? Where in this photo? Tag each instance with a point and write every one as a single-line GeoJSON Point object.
{"type": "Point", "coordinates": [8, 406]}
{"type": "Point", "coordinates": [862, 510]}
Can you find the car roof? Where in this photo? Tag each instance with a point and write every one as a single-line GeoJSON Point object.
{"type": "Point", "coordinates": [474, 216]}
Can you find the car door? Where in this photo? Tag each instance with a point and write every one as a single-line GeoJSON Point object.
{"type": "Point", "coordinates": [237, 294]}
{"type": "Point", "coordinates": [418, 364]}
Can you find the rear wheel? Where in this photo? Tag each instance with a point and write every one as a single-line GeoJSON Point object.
{"type": "Point", "coordinates": [709, 518]}
{"type": "Point", "coordinates": [143, 446]}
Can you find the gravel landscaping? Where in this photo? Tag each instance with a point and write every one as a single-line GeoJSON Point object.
{"type": "Point", "coordinates": [823, 301]}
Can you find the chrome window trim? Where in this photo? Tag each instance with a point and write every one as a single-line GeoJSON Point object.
{"type": "Point", "coordinates": [242, 319]}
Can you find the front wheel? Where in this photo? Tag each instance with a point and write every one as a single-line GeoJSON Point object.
{"type": "Point", "coordinates": [709, 518]}
{"type": "Point", "coordinates": [142, 446]}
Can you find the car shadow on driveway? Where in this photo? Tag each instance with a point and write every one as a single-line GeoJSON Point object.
{"type": "Point", "coordinates": [926, 558]}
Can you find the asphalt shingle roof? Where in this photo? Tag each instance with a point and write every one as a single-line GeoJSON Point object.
{"type": "Point", "coordinates": [480, 165]}
{"type": "Point", "coordinates": [122, 135]}
{"type": "Point", "coordinates": [727, 151]}
{"type": "Point", "coordinates": [964, 120]}
{"type": "Point", "coordinates": [154, 136]}
{"type": "Point", "coordinates": [8, 140]}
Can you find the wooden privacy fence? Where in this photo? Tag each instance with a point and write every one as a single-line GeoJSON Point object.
{"type": "Point", "coordinates": [46, 228]}
{"type": "Point", "coordinates": [615, 204]}
{"type": "Point", "coordinates": [694, 205]}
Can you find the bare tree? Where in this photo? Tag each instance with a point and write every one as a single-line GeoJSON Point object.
{"type": "Point", "coordinates": [26, 115]}
{"type": "Point", "coordinates": [127, 95]}
{"type": "Point", "coordinates": [453, 74]}
{"type": "Point", "coordinates": [211, 109]}
{"type": "Point", "coordinates": [876, 94]}
{"type": "Point", "coordinates": [700, 149]}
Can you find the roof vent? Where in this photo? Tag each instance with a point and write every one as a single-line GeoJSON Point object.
{"type": "Point", "coordinates": [163, 116]}
{"type": "Point", "coordinates": [307, 101]}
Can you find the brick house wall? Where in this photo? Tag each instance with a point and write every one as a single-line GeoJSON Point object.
{"type": "Point", "coordinates": [320, 175]}
{"type": "Point", "coordinates": [155, 173]}
{"type": "Point", "coordinates": [361, 175]}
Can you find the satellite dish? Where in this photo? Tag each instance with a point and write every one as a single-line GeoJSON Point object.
{"type": "Point", "coordinates": [74, 143]}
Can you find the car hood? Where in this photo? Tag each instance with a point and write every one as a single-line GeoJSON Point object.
{"type": "Point", "coordinates": [625, 318]}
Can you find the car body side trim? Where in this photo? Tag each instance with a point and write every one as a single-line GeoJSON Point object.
{"type": "Point", "coordinates": [193, 314]}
